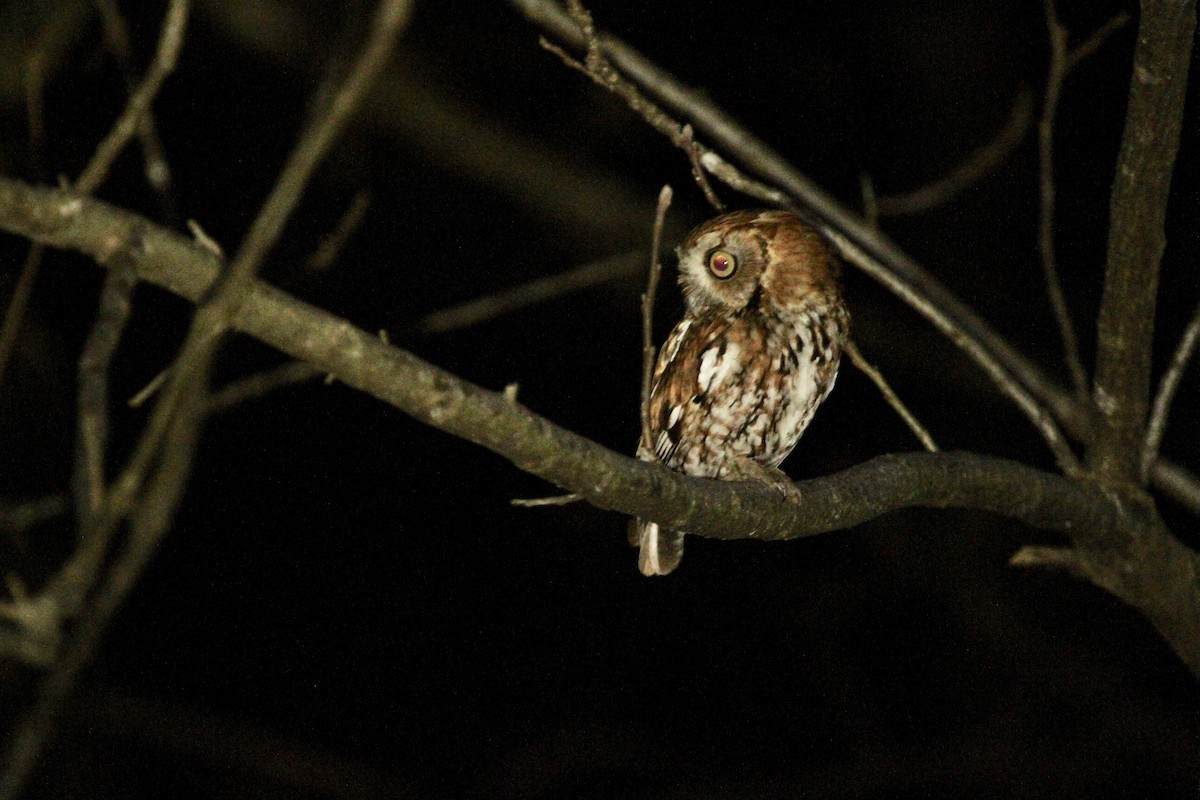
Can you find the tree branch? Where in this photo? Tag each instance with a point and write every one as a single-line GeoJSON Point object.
{"type": "Point", "coordinates": [1159, 578]}
{"type": "Point", "coordinates": [1136, 237]}
{"type": "Point", "coordinates": [607, 479]}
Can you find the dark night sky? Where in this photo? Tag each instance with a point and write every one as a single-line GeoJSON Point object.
{"type": "Point", "coordinates": [349, 593]}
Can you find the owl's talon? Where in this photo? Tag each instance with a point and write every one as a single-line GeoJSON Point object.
{"type": "Point", "coordinates": [747, 469]}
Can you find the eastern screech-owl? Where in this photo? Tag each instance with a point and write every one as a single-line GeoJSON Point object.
{"type": "Point", "coordinates": [742, 374]}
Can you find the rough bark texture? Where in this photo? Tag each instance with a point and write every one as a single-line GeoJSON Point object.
{"type": "Point", "coordinates": [1136, 238]}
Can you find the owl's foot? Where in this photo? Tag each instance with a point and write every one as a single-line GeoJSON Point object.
{"type": "Point", "coordinates": [747, 469]}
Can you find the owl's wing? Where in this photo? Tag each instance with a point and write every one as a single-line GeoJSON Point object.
{"type": "Point", "coordinates": [675, 376]}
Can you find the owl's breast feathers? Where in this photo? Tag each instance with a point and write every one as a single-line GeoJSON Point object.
{"type": "Point", "coordinates": [742, 385]}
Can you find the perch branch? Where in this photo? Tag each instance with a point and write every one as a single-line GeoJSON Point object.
{"type": "Point", "coordinates": [1165, 590]}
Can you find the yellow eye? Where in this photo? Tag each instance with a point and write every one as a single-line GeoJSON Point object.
{"type": "Point", "coordinates": [722, 264]}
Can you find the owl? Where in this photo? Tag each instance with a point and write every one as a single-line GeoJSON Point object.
{"type": "Point", "coordinates": [739, 378]}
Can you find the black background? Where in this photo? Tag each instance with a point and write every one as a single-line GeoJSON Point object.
{"type": "Point", "coordinates": [348, 605]}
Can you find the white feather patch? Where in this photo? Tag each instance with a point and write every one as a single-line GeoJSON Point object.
{"type": "Point", "coordinates": [716, 367]}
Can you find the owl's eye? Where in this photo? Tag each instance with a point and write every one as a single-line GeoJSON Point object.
{"type": "Point", "coordinates": [722, 264]}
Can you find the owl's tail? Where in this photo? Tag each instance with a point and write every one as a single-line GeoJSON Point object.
{"type": "Point", "coordinates": [661, 549]}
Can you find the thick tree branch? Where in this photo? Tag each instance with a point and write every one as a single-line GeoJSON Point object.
{"type": "Point", "coordinates": [609, 480]}
{"type": "Point", "coordinates": [1158, 577]}
{"type": "Point", "coordinates": [1136, 235]}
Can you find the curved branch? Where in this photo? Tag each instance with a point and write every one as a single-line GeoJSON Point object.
{"type": "Point", "coordinates": [1157, 575]}
{"type": "Point", "coordinates": [605, 478]}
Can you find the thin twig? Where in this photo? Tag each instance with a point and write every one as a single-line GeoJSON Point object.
{"type": "Point", "coordinates": [1062, 60]}
{"type": "Point", "coordinates": [255, 386]}
{"type": "Point", "coordinates": [483, 309]}
{"type": "Point", "coordinates": [891, 397]}
{"type": "Point", "coordinates": [15, 314]}
{"type": "Point", "coordinates": [648, 349]}
{"type": "Point", "coordinates": [539, 502]}
{"type": "Point", "coordinates": [1046, 187]}
{"type": "Point", "coordinates": [149, 390]}
{"type": "Point", "coordinates": [1167, 388]}
{"type": "Point", "coordinates": [1093, 43]}
{"type": "Point", "coordinates": [1014, 390]}
{"type": "Point", "coordinates": [974, 168]}
{"type": "Point", "coordinates": [169, 45]}
{"type": "Point", "coordinates": [331, 245]}
{"type": "Point", "coordinates": [156, 166]}
{"type": "Point", "coordinates": [94, 364]}
{"type": "Point", "coordinates": [870, 200]}
{"type": "Point", "coordinates": [18, 517]}
{"type": "Point", "coordinates": [694, 151]}
{"type": "Point", "coordinates": [1064, 558]}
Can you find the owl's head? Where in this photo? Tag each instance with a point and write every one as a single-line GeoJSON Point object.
{"type": "Point", "coordinates": [749, 258]}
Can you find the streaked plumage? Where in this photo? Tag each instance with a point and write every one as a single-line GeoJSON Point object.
{"type": "Point", "coordinates": [741, 375]}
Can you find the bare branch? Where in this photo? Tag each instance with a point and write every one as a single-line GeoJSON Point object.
{"type": "Point", "coordinates": [157, 168]}
{"type": "Point", "coordinates": [214, 315]}
{"type": "Point", "coordinates": [150, 522]}
{"type": "Point", "coordinates": [1062, 316]}
{"type": "Point", "coordinates": [1094, 42]}
{"type": "Point", "coordinates": [169, 45]}
{"type": "Point", "coordinates": [1015, 391]}
{"type": "Point", "coordinates": [1062, 61]}
{"type": "Point", "coordinates": [360, 360]}
{"type": "Point", "coordinates": [17, 517]}
{"type": "Point", "coordinates": [539, 502]}
{"type": "Point", "coordinates": [94, 363]}
{"type": "Point", "coordinates": [891, 397]}
{"type": "Point", "coordinates": [254, 386]}
{"type": "Point", "coordinates": [331, 246]}
{"type": "Point", "coordinates": [168, 441]}
{"type": "Point", "coordinates": [14, 315]}
{"type": "Point", "coordinates": [974, 168]}
{"type": "Point", "coordinates": [536, 291]}
{"type": "Point", "coordinates": [1166, 392]}
{"type": "Point", "coordinates": [1159, 576]}
{"type": "Point", "coordinates": [1136, 238]}
{"type": "Point", "coordinates": [1064, 558]}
